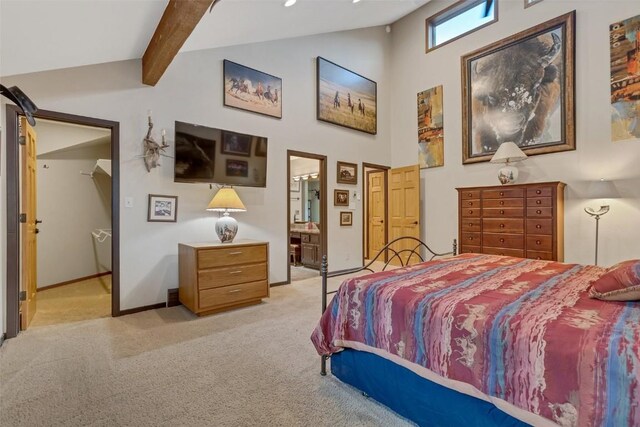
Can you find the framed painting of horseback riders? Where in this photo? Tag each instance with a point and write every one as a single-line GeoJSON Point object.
{"type": "Point", "coordinates": [252, 90]}
{"type": "Point", "coordinates": [521, 89]}
{"type": "Point", "coordinates": [346, 98]}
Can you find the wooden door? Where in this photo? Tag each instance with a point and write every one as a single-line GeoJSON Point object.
{"type": "Point", "coordinates": [375, 213]}
{"type": "Point", "coordinates": [28, 279]}
{"type": "Point", "coordinates": [404, 209]}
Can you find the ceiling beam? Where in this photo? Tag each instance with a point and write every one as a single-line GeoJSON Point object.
{"type": "Point", "coordinates": [177, 22]}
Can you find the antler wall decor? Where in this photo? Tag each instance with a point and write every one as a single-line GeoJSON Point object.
{"type": "Point", "coordinates": [153, 150]}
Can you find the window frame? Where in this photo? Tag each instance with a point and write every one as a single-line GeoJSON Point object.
{"type": "Point", "coordinates": [452, 11]}
{"type": "Point", "coordinates": [529, 3]}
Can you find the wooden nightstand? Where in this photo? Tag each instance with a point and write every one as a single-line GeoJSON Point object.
{"type": "Point", "coordinates": [216, 277]}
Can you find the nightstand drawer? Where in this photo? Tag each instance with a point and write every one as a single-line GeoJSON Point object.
{"type": "Point", "coordinates": [226, 276]}
{"type": "Point", "coordinates": [216, 297]}
{"type": "Point", "coordinates": [464, 249]}
{"type": "Point", "coordinates": [471, 203]}
{"type": "Point", "coordinates": [223, 257]}
{"type": "Point", "coordinates": [546, 256]}
{"type": "Point", "coordinates": [539, 212]}
{"type": "Point", "coordinates": [539, 192]}
{"type": "Point", "coordinates": [503, 203]}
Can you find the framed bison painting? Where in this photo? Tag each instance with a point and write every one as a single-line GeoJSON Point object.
{"type": "Point", "coordinates": [521, 89]}
{"type": "Point", "coordinates": [252, 90]}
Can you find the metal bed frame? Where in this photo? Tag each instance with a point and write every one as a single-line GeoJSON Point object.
{"type": "Point", "coordinates": [413, 251]}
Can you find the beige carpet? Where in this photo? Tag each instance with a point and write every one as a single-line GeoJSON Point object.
{"type": "Point", "coordinates": [87, 299]}
{"type": "Point", "coordinates": [250, 367]}
{"type": "Point", "coordinates": [302, 273]}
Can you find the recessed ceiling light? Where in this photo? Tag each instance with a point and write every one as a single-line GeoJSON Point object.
{"type": "Point", "coordinates": [289, 3]}
{"type": "Point", "coordinates": [356, 1]}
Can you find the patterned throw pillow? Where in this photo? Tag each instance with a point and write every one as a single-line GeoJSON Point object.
{"type": "Point", "coordinates": [620, 283]}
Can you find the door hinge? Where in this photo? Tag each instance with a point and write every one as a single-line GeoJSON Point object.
{"type": "Point", "coordinates": [22, 140]}
{"type": "Point", "coordinates": [22, 218]}
{"type": "Point", "coordinates": [23, 295]}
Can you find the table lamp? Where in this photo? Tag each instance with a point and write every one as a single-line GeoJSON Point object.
{"type": "Point", "coordinates": [600, 190]}
{"type": "Point", "coordinates": [507, 153]}
{"type": "Point", "coordinates": [226, 200]}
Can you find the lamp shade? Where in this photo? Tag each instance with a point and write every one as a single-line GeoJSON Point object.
{"type": "Point", "coordinates": [226, 200]}
{"type": "Point", "coordinates": [508, 152]}
{"type": "Point", "coordinates": [602, 189]}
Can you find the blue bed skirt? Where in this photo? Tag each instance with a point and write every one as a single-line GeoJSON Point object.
{"type": "Point", "coordinates": [413, 397]}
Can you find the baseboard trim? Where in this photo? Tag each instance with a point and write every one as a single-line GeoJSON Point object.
{"type": "Point", "coordinates": [2, 338]}
{"type": "Point", "coordinates": [143, 308]}
{"type": "Point", "coordinates": [68, 282]}
{"type": "Point", "coordinates": [271, 285]}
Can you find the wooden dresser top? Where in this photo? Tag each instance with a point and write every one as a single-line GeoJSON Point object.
{"type": "Point", "coordinates": [237, 243]}
{"type": "Point", "coordinates": [529, 184]}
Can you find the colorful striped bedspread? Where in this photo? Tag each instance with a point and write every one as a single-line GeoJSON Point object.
{"type": "Point", "coordinates": [521, 331]}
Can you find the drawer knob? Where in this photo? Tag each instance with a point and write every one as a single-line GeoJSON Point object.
{"type": "Point", "coordinates": [501, 225]}
{"type": "Point", "coordinates": [501, 193]}
{"type": "Point", "coordinates": [538, 242]}
{"type": "Point", "coordinates": [501, 202]}
{"type": "Point", "coordinates": [538, 257]}
{"type": "Point", "coordinates": [470, 224]}
{"type": "Point", "coordinates": [539, 212]}
{"type": "Point", "coordinates": [538, 226]}
{"type": "Point", "coordinates": [470, 203]}
{"type": "Point", "coordinates": [538, 202]}
{"type": "Point", "coordinates": [501, 240]}
{"type": "Point", "coordinates": [470, 238]}
{"type": "Point", "coordinates": [538, 192]}
{"type": "Point", "coordinates": [470, 212]}
{"type": "Point", "coordinates": [468, 194]}
{"type": "Point", "coordinates": [501, 212]}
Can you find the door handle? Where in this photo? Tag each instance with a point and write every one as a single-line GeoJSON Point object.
{"type": "Point", "coordinates": [415, 222]}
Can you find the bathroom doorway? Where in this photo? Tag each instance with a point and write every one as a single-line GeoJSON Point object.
{"type": "Point", "coordinates": [307, 207]}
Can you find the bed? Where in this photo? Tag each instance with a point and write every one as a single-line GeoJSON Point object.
{"type": "Point", "coordinates": [486, 340]}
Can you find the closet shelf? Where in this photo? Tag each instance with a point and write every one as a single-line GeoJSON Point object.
{"type": "Point", "coordinates": [104, 166]}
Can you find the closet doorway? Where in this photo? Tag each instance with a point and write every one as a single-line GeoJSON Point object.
{"type": "Point", "coordinates": [375, 212]}
{"type": "Point", "coordinates": [307, 214]}
{"type": "Point", "coordinates": [65, 181]}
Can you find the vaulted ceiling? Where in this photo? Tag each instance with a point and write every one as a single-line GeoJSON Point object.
{"type": "Point", "coordinates": [39, 35]}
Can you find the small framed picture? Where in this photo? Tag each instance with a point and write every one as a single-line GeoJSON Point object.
{"type": "Point", "coordinates": [347, 173]}
{"type": "Point", "coordinates": [346, 218]}
{"type": "Point", "coordinates": [162, 208]}
{"type": "Point", "coordinates": [238, 168]}
{"type": "Point", "coordinates": [236, 143]}
{"type": "Point", "coordinates": [295, 186]}
{"type": "Point", "coordinates": [341, 197]}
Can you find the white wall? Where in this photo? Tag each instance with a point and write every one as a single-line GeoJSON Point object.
{"type": "Point", "coordinates": [596, 156]}
{"type": "Point", "coordinates": [191, 91]}
{"type": "Point", "coordinates": [71, 206]}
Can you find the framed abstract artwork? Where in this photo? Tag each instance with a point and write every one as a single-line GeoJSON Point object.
{"type": "Point", "coordinates": [430, 128]}
{"type": "Point", "coordinates": [346, 98]}
{"type": "Point", "coordinates": [521, 89]}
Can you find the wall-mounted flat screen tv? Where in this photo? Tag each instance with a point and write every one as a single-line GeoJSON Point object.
{"type": "Point", "coordinates": [219, 156]}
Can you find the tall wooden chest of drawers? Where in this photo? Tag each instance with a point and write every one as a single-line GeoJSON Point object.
{"type": "Point", "coordinates": [220, 276]}
{"type": "Point", "coordinates": [525, 221]}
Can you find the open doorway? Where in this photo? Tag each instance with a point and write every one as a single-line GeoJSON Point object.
{"type": "Point", "coordinates": [307, 210]}
{"type": "Point", "coordinates": [67, 205]}
{"type": "Point", "coordinates": [375, 213]}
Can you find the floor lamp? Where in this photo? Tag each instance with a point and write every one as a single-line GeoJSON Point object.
{"type": "Point", "coordinates": [600, 190]}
